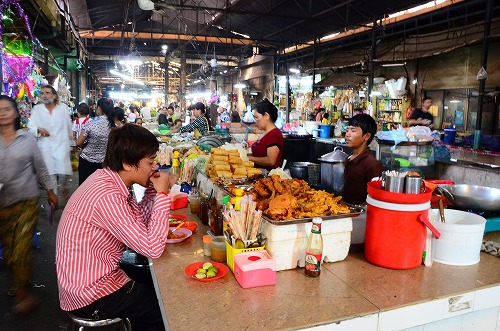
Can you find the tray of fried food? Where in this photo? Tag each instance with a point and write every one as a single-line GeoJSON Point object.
{"type": "Point", "coordinates": [291, 201]}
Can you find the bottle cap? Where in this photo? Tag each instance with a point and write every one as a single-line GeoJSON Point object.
{"type": "Point", "coordinates": [225, 199]}
{"type": "Point", "coordinates": [207, 239]}
{"type": "Point", "coordinates": [317, 220]}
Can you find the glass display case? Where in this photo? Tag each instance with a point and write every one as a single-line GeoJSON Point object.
{"type": "Point", "coordinates": [407, 156]}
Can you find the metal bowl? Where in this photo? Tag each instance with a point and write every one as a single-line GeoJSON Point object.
{"type": "Point", "coordinates": [480, 198]}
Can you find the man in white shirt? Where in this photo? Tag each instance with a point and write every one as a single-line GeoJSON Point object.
{"type": "Point", "coordinates": [50, 121]}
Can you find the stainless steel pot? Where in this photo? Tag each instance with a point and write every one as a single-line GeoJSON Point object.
{"type": "Point", "coordinates": [299, 170]}
{"type": "Point", "coordinates": [479, 198]}
{"type": "Point", "coordinates": [332, 170]}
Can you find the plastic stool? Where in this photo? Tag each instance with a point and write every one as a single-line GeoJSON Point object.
{"type": "Point", "coordinates": [83, 323]}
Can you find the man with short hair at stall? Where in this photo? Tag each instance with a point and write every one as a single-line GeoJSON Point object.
{"type": "Point", "coordinates": [101, 219]}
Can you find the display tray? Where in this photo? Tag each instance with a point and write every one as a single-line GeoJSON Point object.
{"type": "Point", "coordinates": [404, 143]}
{"type": "Point", "coordinates": [355, 211]}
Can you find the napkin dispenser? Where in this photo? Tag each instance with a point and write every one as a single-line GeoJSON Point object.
{"type": "Point", "coordinates": [256, 268]}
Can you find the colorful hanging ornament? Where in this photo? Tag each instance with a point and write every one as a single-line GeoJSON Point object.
{"type": "Point", "coordinates": [17, 49]}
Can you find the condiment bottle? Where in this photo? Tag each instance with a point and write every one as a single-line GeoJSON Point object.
{"type": "Point", "coordinates": [226, 206]}
{"type": "Point", "coordinates": [176, 169]}
{"type": "Point", "coordinates": [204, 209]}
{"type": "Point", "coordinates": [236, 200]}
{"type": "Point", "coordinates": [314, 249]}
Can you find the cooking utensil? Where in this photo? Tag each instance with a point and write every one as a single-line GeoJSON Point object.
{"type": "Point", "coordinates": [332, 170]}
{"type": "Point", "coordinates": [177, 227]}
{"type": "Point", "coordinates": [441, 210]}
{"type": "Point", "coordinates": [284, 164]}
{"type": "Point", "coordinates": [475, 197]}
{"type": "Point", "coordinates": [214, 238]}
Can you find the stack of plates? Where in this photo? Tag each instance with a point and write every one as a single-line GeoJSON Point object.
{"type": "Point", "coordinates": [209, 141]}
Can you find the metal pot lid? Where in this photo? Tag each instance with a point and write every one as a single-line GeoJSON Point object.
{"type": "Point", "coordinates": [300, 164]}
{"type": "Point", "coordinates": [337, 155]}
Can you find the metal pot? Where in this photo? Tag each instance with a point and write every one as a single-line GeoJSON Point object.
{"type": "Point", "coordinates": [299, 170]}
{"type": "Point", "coordinates": [332, 170]}
{"type": "Point", "coordinates": [480, 198]}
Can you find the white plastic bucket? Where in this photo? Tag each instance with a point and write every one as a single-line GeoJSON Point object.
{"type": "Point", "coordinates": [312, 127]}
{"type": "Point", "coordinates": [461, 238]}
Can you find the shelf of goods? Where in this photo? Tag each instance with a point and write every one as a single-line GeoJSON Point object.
{"type": "Point", "coordinates": [407, 156]}
{"type": "Point", "coordinates": [392, 110]}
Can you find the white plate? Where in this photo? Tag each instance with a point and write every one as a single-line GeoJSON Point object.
{"type": "Point", "coordinates": [187, 232]}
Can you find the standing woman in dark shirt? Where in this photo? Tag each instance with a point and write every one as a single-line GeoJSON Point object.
{"type": "Point", "coordinates": [268, 150]}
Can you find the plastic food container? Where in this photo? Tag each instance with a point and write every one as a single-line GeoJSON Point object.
{"type": "Point", "coordinates": [218, 249]}
{"type": "Point", "coordinates": [461, 238]}
{"type": "Point", "coordinates": [207, 240]}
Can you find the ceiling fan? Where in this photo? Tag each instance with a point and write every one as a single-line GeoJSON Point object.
{"type": "Point", "coordinates": [364, 69]}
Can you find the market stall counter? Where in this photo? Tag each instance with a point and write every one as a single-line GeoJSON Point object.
{"type": "Point", "coordinates": [350, 294]}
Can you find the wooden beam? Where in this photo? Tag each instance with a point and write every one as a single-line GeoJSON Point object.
{"type": "Point", "coordinates": [117, 35]}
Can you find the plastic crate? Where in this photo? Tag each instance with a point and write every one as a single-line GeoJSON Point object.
{"type": "Point", "coordinates": [231, 252]}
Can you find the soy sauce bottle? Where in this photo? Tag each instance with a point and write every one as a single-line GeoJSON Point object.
{"type": "Point", "coordinates": [314, 249]}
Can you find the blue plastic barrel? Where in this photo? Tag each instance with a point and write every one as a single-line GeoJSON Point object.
{"type": "Point", "coordinates": [449, 135]}
{"type": "Point", "coordinates": [324, 131]}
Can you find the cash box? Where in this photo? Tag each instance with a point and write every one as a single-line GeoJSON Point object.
{"type": "Point", "coordinates": [252, 269]}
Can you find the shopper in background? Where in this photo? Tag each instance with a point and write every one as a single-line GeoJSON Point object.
{"type": "Point", "coordinates": [200, 126]}
{"type": "Point", "coordinates": [92, 237]}
{"type": "Point", "coordinates": [20, 159]}
{"type": "Point", "coordinates": [268, 150]}
{"type": "Point", "coordinates": [83, 111]}
{"type": "Point", "coordinates": [177, 124]}
{"type": "Point", "coordinates": [235, 116]}
{"type": "Point", "coordinates": [171, 116]}
{"type": "Point", "coordinates": [50, 122]}
{"type": "Point", "coordinates": [421, 116]}
{"type": "Point", "coordinates": [118, 116]}
{"type": "Point", "coordinates": [162, 116]}
{"type": "Point", "coordinates": [222, 110]}
{"type": "Point", "coordinates": [94, 139]}
{"type": "Point", "coordinates": [361, 166]}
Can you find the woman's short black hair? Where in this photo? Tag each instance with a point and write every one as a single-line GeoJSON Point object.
{"type": "Point", "coordinates": [200, 106]}
{"type": "Point", "coordinates": [264, 107]}
{"type": "Point", "coordinates": [13, 103]}
{"type": "Point", "coordinates": [129, 145]}
{"type": "Point", "coordinates": [366, 123]}
{"type": "Point", "coordinates": [83, 109]}
{"type": "Point", "coordinates": [119, 114]}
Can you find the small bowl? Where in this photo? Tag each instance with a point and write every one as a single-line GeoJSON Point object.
{"type": "Point", "coordinates": [190, 226]}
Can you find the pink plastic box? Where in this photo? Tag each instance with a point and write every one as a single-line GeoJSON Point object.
{"type": "Point", "coordinates": [252, 269]}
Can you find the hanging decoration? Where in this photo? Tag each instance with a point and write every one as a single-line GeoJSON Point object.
{"type": "Point", "coordinates": [17, 48]}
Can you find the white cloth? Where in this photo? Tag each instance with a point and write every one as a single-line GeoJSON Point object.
{"type": "Point", "coordinates": [146, 113]}
{"type": "Point", "coordinates": [55, 148]}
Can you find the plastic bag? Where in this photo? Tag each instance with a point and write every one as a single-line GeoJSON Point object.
{"type": "Point", "coordinates": [396, 135]}
{"type": "Point", "coordinates": [482, 74]}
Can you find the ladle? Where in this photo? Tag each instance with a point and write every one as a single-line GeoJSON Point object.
{"type": "Point", "coordinates": [441, 210]}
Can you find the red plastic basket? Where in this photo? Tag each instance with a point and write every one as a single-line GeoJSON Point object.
{"type": "Point", "coordinates": [376, 191]}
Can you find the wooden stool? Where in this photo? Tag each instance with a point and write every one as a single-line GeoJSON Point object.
{"type": "Point", "coordinates": [83, 323]}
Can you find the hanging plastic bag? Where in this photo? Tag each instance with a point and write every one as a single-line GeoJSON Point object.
{"type": "Point", "coordinates": [482, 74]}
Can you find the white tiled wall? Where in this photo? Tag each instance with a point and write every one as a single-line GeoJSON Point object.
{"type": "Point", "coordinates": [478, 310]}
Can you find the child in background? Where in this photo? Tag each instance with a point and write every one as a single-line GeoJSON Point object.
{"type": "Point", "coordinates": [83, 111]}
{"type": "Point", "coordinates": [325, 119]}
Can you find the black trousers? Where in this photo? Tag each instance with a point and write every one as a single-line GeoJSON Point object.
{"type": "Point", "coordinates": [86, 168]}
{"type": "Point", "coordinates": [135, 301]}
